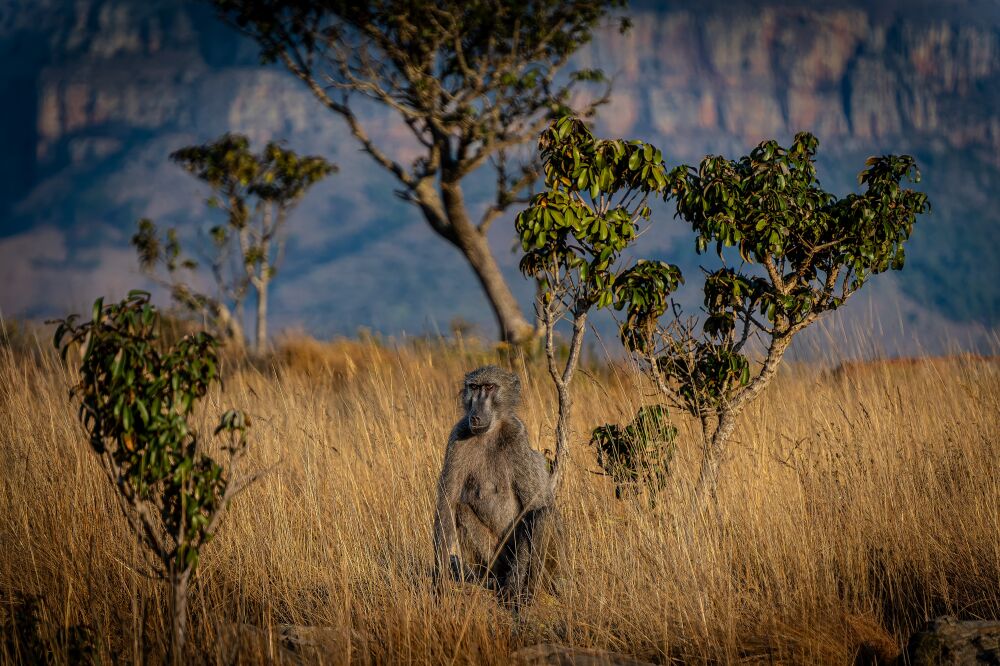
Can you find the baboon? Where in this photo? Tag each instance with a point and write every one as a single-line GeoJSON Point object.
{"type": "Point", "coordinates": [495, 522]}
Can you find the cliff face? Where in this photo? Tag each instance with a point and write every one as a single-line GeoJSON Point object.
{"type": "Point", "coordinates": [851, 78]}
{"type": "Point", "coordinates": [104, 89]}
{"type": "Point", "coordinates": [692, 77]}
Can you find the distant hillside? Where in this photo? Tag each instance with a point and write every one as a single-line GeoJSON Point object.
{"type": "Point", "coordinates": [102, 90]}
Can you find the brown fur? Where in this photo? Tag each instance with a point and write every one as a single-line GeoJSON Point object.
{"type": "Point", "coordinates": [495, 521]}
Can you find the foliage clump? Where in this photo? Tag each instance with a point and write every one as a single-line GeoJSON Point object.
{"type": "Point", "coordinates": [637, 455]}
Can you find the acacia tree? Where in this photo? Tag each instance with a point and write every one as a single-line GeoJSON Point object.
{"type": "Point", "coordinates": [471, 79]}
{"type": "Point", "coordinates": [790, 251]}
{"type": "Point", "coordinates": [256, 192]}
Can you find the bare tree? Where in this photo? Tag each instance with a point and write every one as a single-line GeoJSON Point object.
{"type": "Point", "coordinates": [470, 79]}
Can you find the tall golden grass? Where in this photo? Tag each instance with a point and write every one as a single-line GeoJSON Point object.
{"type": "Point", "coordinates": [852, 507]}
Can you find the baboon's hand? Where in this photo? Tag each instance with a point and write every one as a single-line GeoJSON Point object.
{"type": "Point", "coordinates": [457, 570]}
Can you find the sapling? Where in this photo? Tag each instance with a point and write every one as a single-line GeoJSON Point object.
{"type": "Point", "coordinates": [136, 400]}
{"type": "Point", "coordinates": [573, 235]}
{"type": "Point", "coordinates": [257, 192]}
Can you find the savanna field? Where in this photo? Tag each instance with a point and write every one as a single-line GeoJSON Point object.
{"type": "Point", "coordinates": [854, 505]}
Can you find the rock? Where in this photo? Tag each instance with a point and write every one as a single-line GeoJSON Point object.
{"type": "Point", "coordinates": [946, 641]}
{"type": "Point", "coordinates": [549, 654]}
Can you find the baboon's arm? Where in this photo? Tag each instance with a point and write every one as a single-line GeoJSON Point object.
{"type": "Point", "coordinates": [445, 532]}
{"type": "Point", "coordinates": [531, 479]}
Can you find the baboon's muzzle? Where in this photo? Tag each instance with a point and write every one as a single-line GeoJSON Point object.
{"type": "Point", "coordinates": [479, 423]}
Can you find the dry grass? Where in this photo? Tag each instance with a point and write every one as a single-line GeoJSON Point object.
{"type": "Point", "coordinates": [851, 509]}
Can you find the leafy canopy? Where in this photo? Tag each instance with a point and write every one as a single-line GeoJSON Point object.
{"type": "Point", "coordinates": [238, 176]}
{"type": "Point", "coordinates": [790, 251]}
{"type": "Point", "coordinates": [815, 248]}
{"type": "Point", "coordinates": [574, 232]}
{"type": "Point", "coordinates": [477, 70]}
{"type": "Point", "coordinates": [247, 186]}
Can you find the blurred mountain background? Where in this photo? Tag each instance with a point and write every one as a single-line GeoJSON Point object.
{"type": "Point", "coordinates": [97, 93]}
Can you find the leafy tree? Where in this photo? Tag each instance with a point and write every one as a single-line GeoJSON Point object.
{"type": "Point", "coordinates": [790, 251]}
{"type": "Point", "coordinates": [257, 192]}
{"type": "Point", "coordinates": [135, 402]}
{"type": "Point", "coordinates": [471, 80]}
{"type": "Point", "coordinates": [573, 235]}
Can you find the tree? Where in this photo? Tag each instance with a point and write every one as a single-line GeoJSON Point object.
{"type": "Point", "coordinates": [256, 192]}
{"type": "Point", "coordinates": [790, 251]}
{"type": "Point", "coordinates": [573, 235]}
{"type": "Point", "coordinates": [135, 403]}
{"type": "Point", "coordinates": [470, 79]}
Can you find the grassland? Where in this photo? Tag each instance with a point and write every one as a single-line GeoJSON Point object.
{"type": "Point", "coordinates": [853, 506]}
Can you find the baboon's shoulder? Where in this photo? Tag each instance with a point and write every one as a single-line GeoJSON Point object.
{"type": "Point", "coordinates": [513, 433]}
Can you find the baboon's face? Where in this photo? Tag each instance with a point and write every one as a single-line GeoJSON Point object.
{"type": "Point", "coordinates": [488, 394]}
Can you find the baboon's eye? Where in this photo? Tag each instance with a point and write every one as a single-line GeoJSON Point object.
{"type": "Point", "coordinates": [490, 388]}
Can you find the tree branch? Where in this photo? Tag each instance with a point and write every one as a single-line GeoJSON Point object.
{"type": "Point", "coordinates": [352, 122]}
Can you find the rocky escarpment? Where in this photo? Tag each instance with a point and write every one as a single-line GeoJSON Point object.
{"type": "Point", "coordinates": [693, 76]}
{"type": "Point", "coordinates": [844, 73]}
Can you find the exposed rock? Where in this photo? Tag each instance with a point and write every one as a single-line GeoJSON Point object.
{"type": "Point", "coordinates": [947, 641]}
{"type": "Point", "coordinates": [843, 73]}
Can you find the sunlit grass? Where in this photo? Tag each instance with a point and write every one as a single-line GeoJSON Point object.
{"type": "Point", "coordinates": [853, 506]}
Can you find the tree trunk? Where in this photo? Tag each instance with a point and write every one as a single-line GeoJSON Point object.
{"type": "Point", "coordinates": [711, 459]}
{"type": "Point", "coordinates": [261, 281]}
{"type": "Point", "coordinates": [262, 316]}
{"type": "Point", "coordinates": [228, 327]}
{"type": "Point", "coordinates": [715, 447]}
{"type": "Point", "coordinates": [562, 381]}
{"type": "Point", "coordinates": [514, 327]}
{"type": "Point", "coordinates": [178, 615]}
{"type": "Point", "coordinates": [562, 434]}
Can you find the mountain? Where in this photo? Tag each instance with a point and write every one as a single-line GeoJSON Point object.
{"type": "Point", "coordinates": [102, 90]}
